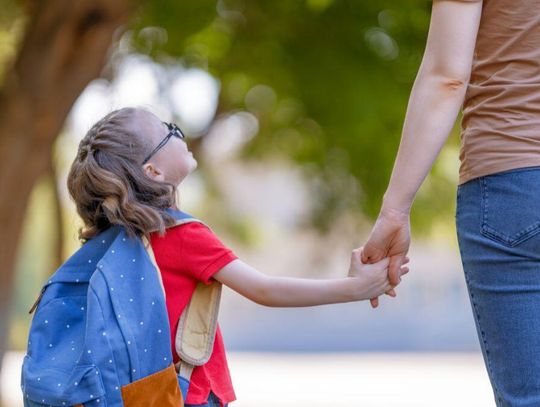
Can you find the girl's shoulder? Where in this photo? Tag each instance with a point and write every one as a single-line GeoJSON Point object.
{"type": "Point", "coordinates": [190, 230]}
{"type": "Point", "coordinates": [193, 233]}
{"type": "Point", "coordinates": [196, 250]}
{"type": "Point", "coordinates": [187, 224]}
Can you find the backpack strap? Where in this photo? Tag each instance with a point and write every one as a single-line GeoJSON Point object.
{"type": "Point", "coordinates": [195, 335]}
{"type": "Point", "coordinates": [196, 330]}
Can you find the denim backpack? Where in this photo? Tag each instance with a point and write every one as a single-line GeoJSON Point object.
{"type": "Point", "coordinates": [101, 337]}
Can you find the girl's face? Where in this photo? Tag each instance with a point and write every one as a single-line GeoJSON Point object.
{"type": "Point", "coordinates": [173, 161]}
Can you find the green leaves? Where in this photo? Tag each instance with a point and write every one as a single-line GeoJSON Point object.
{"type": "Point", "coordinates": [327, 80]}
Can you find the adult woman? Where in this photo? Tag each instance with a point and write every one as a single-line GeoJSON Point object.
{"type": "Point", "coordinates": [485, 55]}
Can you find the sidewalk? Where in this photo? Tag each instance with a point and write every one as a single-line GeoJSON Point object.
{"type": "Point", "coordinates": [352, 379]}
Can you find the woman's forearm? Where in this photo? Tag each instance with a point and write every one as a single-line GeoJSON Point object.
{"type": "Point", "coordinates": [433, 107]}
{"type": "Point", "coordinates": [435, 99]}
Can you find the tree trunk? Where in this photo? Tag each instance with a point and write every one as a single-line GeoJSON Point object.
{"type": "Point", "coordinates": [65, 46]}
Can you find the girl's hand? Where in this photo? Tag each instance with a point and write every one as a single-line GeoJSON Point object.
{"type": "Point", "coordinates": [368, 280]}
{"type": "Point", "coordinates": [372, 278]}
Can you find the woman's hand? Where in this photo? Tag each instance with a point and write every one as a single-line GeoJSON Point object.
{"type": "Point", "coordinates": [390, 237]}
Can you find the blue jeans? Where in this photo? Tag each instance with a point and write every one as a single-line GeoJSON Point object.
{"type": "Point", "coordinates": [213, 401]}
{"type": "Point", "coordinates": [498, 226]}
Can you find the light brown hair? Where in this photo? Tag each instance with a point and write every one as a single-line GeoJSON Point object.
{"type": "Point", "coordinates": [107, 182]}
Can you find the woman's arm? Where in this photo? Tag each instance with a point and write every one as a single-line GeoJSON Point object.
{"type": "Point", "coordinates": [436, 97]}
{"type": "Point", "coordinates": [364, 282]}
{"type": "Point", "coordinates": [434, 103]}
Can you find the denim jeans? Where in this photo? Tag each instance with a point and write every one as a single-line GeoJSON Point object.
{"type": "Point", "coordinates": [498, 226]}
{"type": "Point", "coordinates": [213, 401]}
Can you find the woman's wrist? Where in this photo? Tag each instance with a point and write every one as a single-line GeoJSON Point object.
{"type": "Point", "coordinates": [395, 208]}
{"type": "Point", "coordinates": [395, 213]}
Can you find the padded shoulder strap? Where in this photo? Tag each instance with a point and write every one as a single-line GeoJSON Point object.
{"type": "Point", "coordinates": [196, 331]}
{"type": "Point", "coordinates": [181, 219]}
{"type": "Point", "coordinates": [197, 326]}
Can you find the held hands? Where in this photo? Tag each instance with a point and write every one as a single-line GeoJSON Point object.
{"type": "Point", "coordinates": [390, 238]}
{"type": "Point", "coordinates": [371, 280]}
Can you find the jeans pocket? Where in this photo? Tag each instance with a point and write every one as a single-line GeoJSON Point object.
{"type": "Point", "coordinates": [511, 206]}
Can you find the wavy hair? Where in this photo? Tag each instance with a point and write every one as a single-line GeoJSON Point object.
{"type": "Point", "coordinates": [108, 185]}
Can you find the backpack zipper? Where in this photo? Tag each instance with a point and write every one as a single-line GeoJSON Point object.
{"type": "Point", "coordinates": [38, 300]}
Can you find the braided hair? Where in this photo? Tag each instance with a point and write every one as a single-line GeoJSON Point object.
{"type": "Point", "coordinates": [107, 182]}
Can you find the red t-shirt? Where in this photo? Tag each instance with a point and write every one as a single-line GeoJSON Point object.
{"type": "Point", "coordinates": [187, 255]}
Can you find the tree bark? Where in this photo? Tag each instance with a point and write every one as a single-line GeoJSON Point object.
{"type": "Point", "coordinates": [65, 46]}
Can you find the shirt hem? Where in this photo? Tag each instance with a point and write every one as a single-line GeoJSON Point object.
{"type": "Point", "coordinates": [470, 175]}
{"type": "Point", "coordinates": [217, 265]}
{"type": "Point", "coordinates": [225, 398]}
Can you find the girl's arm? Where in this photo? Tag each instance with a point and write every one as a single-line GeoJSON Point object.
{"type": "Point", "coordinates": [434, 103]}
{"type": "Point", "coordinates": [365, 282]}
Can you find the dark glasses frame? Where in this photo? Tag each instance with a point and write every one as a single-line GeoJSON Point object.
{"type": "Point", "coordinates": [174, 131]}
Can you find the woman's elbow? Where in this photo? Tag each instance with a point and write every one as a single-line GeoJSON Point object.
{"type": "Point", "coordinates": [456, 83]}
{"type": "Point", "coordinates": [445, 84]}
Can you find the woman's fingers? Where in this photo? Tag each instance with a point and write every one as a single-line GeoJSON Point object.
{"type": "Point", "coordinates": [391, 292]}
{"type": "Point", "coordinates": [374, 302]}
{"type": "Point", "coordinates": [394, 269]}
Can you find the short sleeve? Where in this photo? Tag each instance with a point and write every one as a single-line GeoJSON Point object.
{"type": "Point", "coordinates": [202, 254]}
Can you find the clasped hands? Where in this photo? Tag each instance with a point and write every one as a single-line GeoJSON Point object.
{"type": "Point", "coordinates": [381, 261]}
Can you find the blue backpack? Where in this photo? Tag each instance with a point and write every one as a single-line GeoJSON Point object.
{"type": "Point", "coordinates": [101, 337]}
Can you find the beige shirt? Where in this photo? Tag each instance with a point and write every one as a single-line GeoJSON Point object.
{"type": "Point", "coordinates": [501, 111]}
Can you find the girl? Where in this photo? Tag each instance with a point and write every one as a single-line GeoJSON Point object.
{"type": "Point", "coordinates": [127, 170]}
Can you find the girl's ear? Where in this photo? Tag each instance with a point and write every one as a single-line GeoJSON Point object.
{"type": "Point", "coordinates": [153, 172]}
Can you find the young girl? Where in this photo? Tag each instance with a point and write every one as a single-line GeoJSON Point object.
{"type": "Point", "coordinates": [126, 172]}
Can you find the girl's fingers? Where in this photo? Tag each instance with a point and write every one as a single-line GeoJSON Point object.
{"type": "Point", "coordinates": [405, 260]}
{"type": "Point", "coordinates": [394, 270]}
{"type": "Point", "coordinates": [391, 292]}
{"type": "Point", "coordinates": [404, 270]}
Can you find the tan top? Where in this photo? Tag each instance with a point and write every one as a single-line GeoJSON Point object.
{"type": "Point", "coordinates": [501, 111]}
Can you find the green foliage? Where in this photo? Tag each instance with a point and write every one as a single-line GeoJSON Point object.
{"type": "Point", "coordinates": [328, 81]}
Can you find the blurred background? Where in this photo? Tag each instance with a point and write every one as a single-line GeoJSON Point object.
{"type": "Point", "coordinates": [294, 111]}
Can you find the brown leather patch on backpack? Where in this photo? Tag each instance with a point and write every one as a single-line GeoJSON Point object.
{"type": "Point", "coordinates": [160, 389]}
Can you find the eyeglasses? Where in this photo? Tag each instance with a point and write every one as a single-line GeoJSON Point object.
{"type": "Point", "coordinates": [174, 131]}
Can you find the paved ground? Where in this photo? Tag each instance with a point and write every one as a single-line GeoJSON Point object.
{"type": "Point", "coordinates": [363, 380]}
